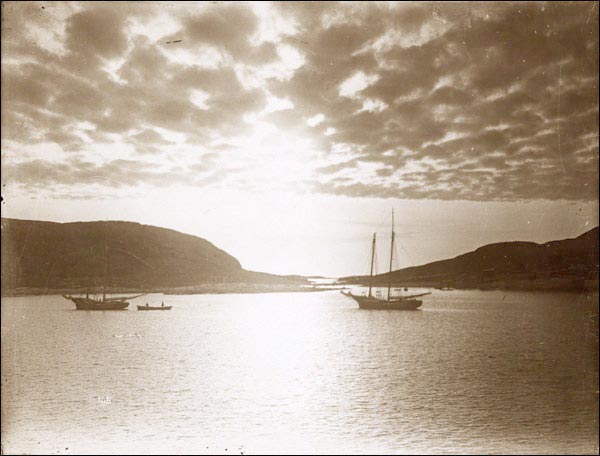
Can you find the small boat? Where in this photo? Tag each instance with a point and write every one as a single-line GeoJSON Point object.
{"type": "Point", "coordinates": [392, 302]}
{"type": "Point", "coordinates": [147, 307]}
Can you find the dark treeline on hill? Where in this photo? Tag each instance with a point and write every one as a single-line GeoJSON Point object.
{"type": "Point", "coordinates": [46, 255]}
{"type": "Point", "coordinates": [569, 264]}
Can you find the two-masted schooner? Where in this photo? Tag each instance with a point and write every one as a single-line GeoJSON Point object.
{"type": "Point", "coordinates": [391, 302]}
{"type": "Point", "coordinates": [88, 303]}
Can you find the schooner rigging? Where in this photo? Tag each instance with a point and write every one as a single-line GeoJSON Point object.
{"type": "Point", "coordinates": [389, 303]}
{"type": "Point", "coordinates": [115, 303]}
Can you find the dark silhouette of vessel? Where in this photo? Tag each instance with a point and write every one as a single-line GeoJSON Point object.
{"type": "Point", "coordinates": [115, 303]}
{"type": "Point", "coordinates": [391, 302]}
{"type": "Point", "coordinates": [87, 303]}
{"type": "Point", "coordinates": [147, 307]}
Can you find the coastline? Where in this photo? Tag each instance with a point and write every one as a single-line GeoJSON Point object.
{"type": "Point", "coordinates": [564, 286]}
{"type": "Point", "coordinates": [208, 288]}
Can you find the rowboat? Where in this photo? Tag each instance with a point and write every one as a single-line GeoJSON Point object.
{"type": "Point", "coordinates": [147, 307]}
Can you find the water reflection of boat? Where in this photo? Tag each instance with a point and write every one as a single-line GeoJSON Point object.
{"type": "Point", "coordinates": [391, 302]}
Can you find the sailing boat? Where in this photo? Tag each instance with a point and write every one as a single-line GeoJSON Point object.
{"type": "Point", "coordinates": [392, 302]}
{"type": "Point", "coordinates": [87, 303]}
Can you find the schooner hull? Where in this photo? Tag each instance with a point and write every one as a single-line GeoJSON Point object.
{"type": "Point", "coordinates": [91, 304]}
{"type": "Point", "coordinates": [364, 302]}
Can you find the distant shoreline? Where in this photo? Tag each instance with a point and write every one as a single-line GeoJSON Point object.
{"type": "Point", "coordinates": [566, 284]}
{"type": "Point", "coordinates": [209, 288]}
{"type": "Point", "coordinates": [249, 288]}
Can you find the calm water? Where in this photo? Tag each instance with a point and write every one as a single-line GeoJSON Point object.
{"type": "Point", "coordinates": [471, 372]}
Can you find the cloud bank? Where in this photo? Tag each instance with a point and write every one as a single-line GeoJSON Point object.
{"type": "Point", "coordinates": [464, 101]}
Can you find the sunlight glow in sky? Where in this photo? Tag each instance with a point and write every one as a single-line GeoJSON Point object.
{"type": "Point", "coordinates": [285, 132]}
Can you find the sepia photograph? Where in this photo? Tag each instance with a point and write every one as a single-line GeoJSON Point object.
{"type": "Point", "coordinates": [299, 227]}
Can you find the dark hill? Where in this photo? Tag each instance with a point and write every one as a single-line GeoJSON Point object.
{"type": "Point", "coordinates": [47, 255]}
{"type": "Point", "coordinates": [569, 264]}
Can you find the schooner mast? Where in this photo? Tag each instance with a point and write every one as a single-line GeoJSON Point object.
{"type": "Point", "coordinates": [391, 258]}
{"type": "Point", "coordinates": [105, 270]}
{"type": "Point", "coordinates": [372, 260]}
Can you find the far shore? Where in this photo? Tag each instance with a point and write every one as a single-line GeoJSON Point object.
{"type": "Point", "coordinates": [250, 288]}
{"type": "Point", "coordinates": [207, 288]}
{"type": "Point", "coordinates": [557, 284]}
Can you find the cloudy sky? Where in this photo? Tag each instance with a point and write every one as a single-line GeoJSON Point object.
{"type": "Point", "coordinates": [284, 133]}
